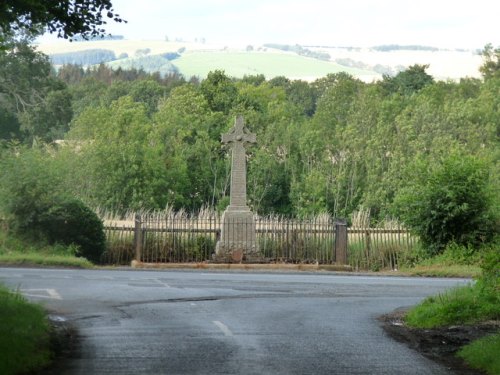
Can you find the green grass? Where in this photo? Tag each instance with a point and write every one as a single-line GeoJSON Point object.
{"type": "Point", "coordinates": [455, 261]}
{"type": "Point", "coordinates": [463, 305]}
{"type": "Point", "coordinates": [483, 354]}
{"type": "Point", "coordinates": [24, 335]}
{"type": "Point", "coordinates": [16, 251]}
{"type": "Point", "coordinates": [443, 270]}
{"type": "Point", "coordinates": [238, 64]}
{"type": "Point", "coordinates": [35, 258]}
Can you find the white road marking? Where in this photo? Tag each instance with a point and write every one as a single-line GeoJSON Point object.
{"type": "Point", "coordinates": [42, 293]}
{"type": "Point", "coordinates": [162, 283]}
{"type": "Point", "coordinates": [223, 328]}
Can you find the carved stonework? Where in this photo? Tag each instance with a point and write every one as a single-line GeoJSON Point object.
{"type": "Point", "coordinates": [238, 240]}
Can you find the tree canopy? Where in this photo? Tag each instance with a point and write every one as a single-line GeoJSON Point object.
{"type": "Point", "coordinates": [66, 18]}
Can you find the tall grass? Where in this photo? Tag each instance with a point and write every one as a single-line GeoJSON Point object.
{"type": "Point", "coordinates": [24, 335]}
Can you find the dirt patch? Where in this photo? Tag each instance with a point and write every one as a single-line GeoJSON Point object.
{"type": "Point", "coordinates": [438, 344]}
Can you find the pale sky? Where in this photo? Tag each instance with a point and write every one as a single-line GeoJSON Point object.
{"type": "Point", "coordinates": [360, 23]}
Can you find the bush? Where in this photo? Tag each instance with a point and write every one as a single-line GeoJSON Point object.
{"type": "Point", "coordinates": [71, 222]}
{"type": "Point", "coordinates": [448, 202]}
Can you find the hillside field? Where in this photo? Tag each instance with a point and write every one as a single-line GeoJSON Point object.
{"type": "Point", "coordinates": [271, 64]}
{"type": "Point", "coordinates": [198, 59]}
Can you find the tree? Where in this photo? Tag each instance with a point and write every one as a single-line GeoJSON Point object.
{"type": "Point", "coordinates": [117, 169]}
{"type": "Point", "coordinates": [447, 202]}
{"type": "Point", "coordinates": [24, 76]}
{"type": "Point", "coordinates": [67, 18]}
{"type": "Point", "coordinates": [491, 64]}
{"type": "Point", "coordinates": [35, 103]}
{"type": "Point", "coordinates": [186, 136]}
{"type": "Point", "coordinates": [408, 81]}
{"type": "Point", "coordinates": [303, 95]}
{"type": "Point", "coordinates": [219, 91]}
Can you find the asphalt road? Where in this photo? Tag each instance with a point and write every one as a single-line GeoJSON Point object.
{"type": "Point", "coordinates": [194, 322]}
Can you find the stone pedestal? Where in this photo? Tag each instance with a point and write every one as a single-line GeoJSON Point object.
{"type": "Point", "coordinates": [238, 241]}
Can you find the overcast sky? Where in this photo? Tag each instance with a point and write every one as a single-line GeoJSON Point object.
{"type": "Point", "coordinates": [440, 23]}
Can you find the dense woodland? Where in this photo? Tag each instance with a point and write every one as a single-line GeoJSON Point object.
{"type": "Point", "coordinates": [126, 139]}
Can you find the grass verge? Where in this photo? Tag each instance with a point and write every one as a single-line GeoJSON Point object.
{"type": "Point", "coordinates": [468, 305]}
{"type": "Point", "coordinates": [483, 354]}
{"type": "Point", "coordinates": [24, 335]}
{"type": "Point", "coordinates": [15, 251]}
{"type": "Point", "coordinates": [37, 259]}
{"type": "Point", "coordinates": [463, 305]}
{"type": "Point", "coordinates": [443, 270]}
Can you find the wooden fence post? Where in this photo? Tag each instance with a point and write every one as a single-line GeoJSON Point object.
{"type": "Point", "coordinates": [340, 242]}
{"type": "Point", "coordinates": [138, 237]}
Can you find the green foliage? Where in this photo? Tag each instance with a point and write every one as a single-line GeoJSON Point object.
{"type": "Point", "coordinates": [448, 202]}
{"type": "Point", "coordinates": [29, 185]}
{"type": "Point", "coordinates": [408, 81]}
{"type": "Point", "coordinates": [24, 335]}
{"type": "Point", "coordinates": [491, 61]}
{"type": "Point", "coordinates": [219, 91]}
{"type": "Point", "coordinates": [35, 204]}
{"type": "Point", "coordinates": [47, 121]}
{"type": "Point", "coordinates": [464, 305]}
{"type": "Point", "coordinates": [36, 105]}
{"type": "Point", "coordinates": [490, 278]}
{"type": "Point", "coordinates": [66, 18]}
{"type": "Point", "coordinates": [482, 354]}
{"type": "Point", "coordinates": [454, 254]}
{"type": "Point", "coordinates": [70, 222]}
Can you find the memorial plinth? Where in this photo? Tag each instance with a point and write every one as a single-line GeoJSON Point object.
{"type": "Point", "coordinates": [237, 240]}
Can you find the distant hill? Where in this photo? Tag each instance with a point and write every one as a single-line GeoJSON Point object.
{"type": "Point", "coordinates": [84, 57]}
{"type": "Point", "coordinates": [150, 64]}
{"type": "Point", "coordinates": [292, 61]}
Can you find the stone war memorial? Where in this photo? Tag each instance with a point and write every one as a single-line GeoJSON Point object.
{"type": "Point", "coordinates": [237, 242]}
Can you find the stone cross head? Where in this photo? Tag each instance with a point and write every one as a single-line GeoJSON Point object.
{"type": "Point", "coordinates": [238, 134]}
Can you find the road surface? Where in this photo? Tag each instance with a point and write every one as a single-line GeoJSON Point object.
{"type": "Point", "coordinates": [195, 322]}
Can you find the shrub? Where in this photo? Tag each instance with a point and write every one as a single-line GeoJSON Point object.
{"type": "Point", "coordinates": [71, 222]}
{"type": "Point", "coordinates": [448, 202]}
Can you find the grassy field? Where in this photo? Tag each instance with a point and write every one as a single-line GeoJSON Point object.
{"type": "Point", "coordinates": [238, 64]}
{"type": "Point", "coordinates": [24, 335]}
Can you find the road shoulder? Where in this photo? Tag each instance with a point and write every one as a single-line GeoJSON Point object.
{"type": "Point", "coordinates": [438, 344]}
